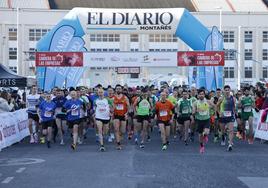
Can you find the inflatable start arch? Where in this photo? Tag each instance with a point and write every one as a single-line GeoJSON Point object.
{"type": "Point", "coordinates": [68, 34]}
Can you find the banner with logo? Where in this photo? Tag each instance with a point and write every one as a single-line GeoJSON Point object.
{"type": "Point", "coordinates": [130, 59]}
{"type": "Point", "coordinates": [56, 59]}
{"type": "Point", "coordinates": [261, 130]}
{"type": "Point", "coordinates": [13, 127]}
{"type": "Point", "coordinates": [201, 58]}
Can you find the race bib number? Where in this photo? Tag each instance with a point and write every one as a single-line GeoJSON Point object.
{"type": "Point", "coordinates": [48, 114]}
{"type": "Point", "coordinates": [203, 113]}
{"type": "Point", "coordinates": [247, 109]}
{"type": "Point", "coordinates": [74, 112]}
{"type": "Point", "coordinates": [227, 113]}
{"type": "Point", "coordinates": [185, 111]}
{"type": "Point", "coordinates": [239, 110]}
{"type": "Point", "coordinates": [102, 110]}
{"type": "Point", "coordinates": [119, 107]}
{"type": "Point", "coordinates": [163, 113]}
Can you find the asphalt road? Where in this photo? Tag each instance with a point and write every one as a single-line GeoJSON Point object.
{"type": "Point", "coordinates": [35, 166]}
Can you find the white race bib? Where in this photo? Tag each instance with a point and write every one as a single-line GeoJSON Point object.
{"type": "Point", "coordinates": [163, 113]}
{"type": "Point", "coordinates": [185, 111]}
{"type": "Point", "coordinates": [203, 113]}
{"type": "Point", "coordinates": [227, 113]}
{"type": "Point", "coordinates": [247, 109]}
{"type": "Point", "coordinates": [102, 110]}
{"type": "Point", "coordinates": [239, 110]}
{"type": "Point", "coordinates": [48, 114]}
{"type": "Point", "coordinates": [119, 107]}
{"type": "Point", "coordinates": [74, 112]}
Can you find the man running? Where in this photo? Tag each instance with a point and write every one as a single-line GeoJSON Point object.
{"type": "Point", "coordinates": [121, 108]}
{"type": "Point", "coordinates": [247, 104]}
{"type": "Point", "coordinates": [164, 118]}
{"type": "Point", "coordinates": [142, 107]}
{"type": "Point", "coordinates": [226, 110]}
{"type": "Point", "coordinates": [33, 100]}
{"type": "Point", "coordinates": [102, 115]}
{"type": "Point", "coordinates": [46, 114]}
{"type": "Point", "coordinates": [193, 99]}
{"type": "Point", "coordinates": [73, 107]}
{"type": "Point", "coordinates": [201, 112]}
{"type": "Point", "coordinates": [111, 101]}
{"type": "Point", "coordinates": [184, 110]}
{"type": "Point", "coordinates": [59, 100]}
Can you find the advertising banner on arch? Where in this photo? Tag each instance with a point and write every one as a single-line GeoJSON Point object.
{"type": "Point", "coordinates": [201, 58]}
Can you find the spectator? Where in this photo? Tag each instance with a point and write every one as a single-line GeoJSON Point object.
{"type": "Point", "coordinates": [6, 102]}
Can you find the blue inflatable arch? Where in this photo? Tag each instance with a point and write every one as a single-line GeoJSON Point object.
{"type": "Point", "coordinates": [68, 34]}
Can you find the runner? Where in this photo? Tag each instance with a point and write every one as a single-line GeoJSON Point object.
{"type": "Point", "coordinates": [73, 108]}
{"type": "Point", "coordinates": [121, 108]}
{"type": "Point", "coordinates": [247, 103]}
{"type": "Point", "coordinates": [164, 118]}
{"type": "Point", "coordinates": [59, 100]}
{"type": "Point", "coordinates": [142, 107]}
{"type": "Point", "coordinates": [173, 98]}
{"type": "Point", "coordinates": [184, 110]}
{"type": "Point", "coordinates": [215, 100]}
{"type": "Point", "coordinates": [46, 113]}
{"type": "Point", "coordinates": [193, 99]}
{"type": "Point", "coordinates": [240, 134]}
{"type": "Point", "coordinates": [201, 112]}
{"type": "Point", "coordinates": [33, 100]}
{"type": "Point", "coordinates": [102, 115]}
{"type": "Point", "coordinates": [111, 127]}
{"type": "Point", "coordinates": [226, 109]}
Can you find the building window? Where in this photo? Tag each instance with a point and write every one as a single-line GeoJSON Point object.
{"type": "Point", "coordinates": [248, 36]}
{"type": "Point", "coordinates": [31, 54]}
{"type": "Point", "coordinates": [248, 54]}
{"type": "Point", "coordinates": [162, 38]}
{"type": "Point", "coordinates": [265, 36]}
{"type": "Point", "coordinates": [229, 54]}
{"type": "Point", "coordinates": [134, 75]}
{"type": "Point", "coordinates": [14, 69]}
{"type": "Point", "coordinates": [134, 38]}
{"type": "Point", "coordinates": [12, 53]}
{"type": "Point", "coordinates": [248, 72]}
{"type": "Point", "coordinates": [228, 36]}
{"type": "Point", "coordinates": [228, 72]}
{"type": "Point", "coordinates": [264, 54]}
{"type": "Point", "coordinates": [12, 34]}
{"type": "Point", "coordinates": [92, 37]}
{"type": "Point", "coordinates": [134, 49]}
{"type": "Point", "coordinates": [264, 72]}
{"type": "Point", "coordinates": [104, 38]}
{"type": "Point", "coordinates": [36, 34]}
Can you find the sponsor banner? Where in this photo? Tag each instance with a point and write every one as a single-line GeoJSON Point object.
{"type": "Point", "coordinates": [261, 130]}
{"type": "Point", "coordinates": [13, 127]}
{"type": "Point", "coordinates": [130, 59]}
{"type": "Point", "coordinates": [129, 20]}
{"type": "Point", "coordinates": [128, 70]}
{"type": "Point", "coordinates": [59, 59]}
{"type": "Point", "coordinates": [201, 58]}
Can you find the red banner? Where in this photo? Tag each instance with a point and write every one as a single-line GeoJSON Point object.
{"type": "Point", "coordinates": [59, 59]}
{"type": "Point", "coordinates": [201, 58]}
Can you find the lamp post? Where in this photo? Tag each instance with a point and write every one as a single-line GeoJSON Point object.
{"type": "Point", "coordinates": [220, 23]}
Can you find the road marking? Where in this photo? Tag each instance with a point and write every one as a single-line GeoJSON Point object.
{"type": "Point", "coordinates": [254, 182]}
{"type": "Point", "coordinates": [20, 161]}
{"type": "Point", "coordinates": [20, 170]}
{"type": "Point", "coordinates": [7, 180]}
{"type": "Point", "coordinates": [140, 175]}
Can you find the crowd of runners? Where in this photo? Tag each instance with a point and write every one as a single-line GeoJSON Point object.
{"type": "Point", "coordinates": [121, 113]}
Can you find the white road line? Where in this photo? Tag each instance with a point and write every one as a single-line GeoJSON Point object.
{"type": "Point", "coordinates": [20, 170]}
{"type": "Point", "coordinates": [7, 180]}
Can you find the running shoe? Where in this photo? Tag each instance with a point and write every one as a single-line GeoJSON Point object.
{"type": "Point", "coordinates": [110, 139]}
{"type": "Point", "coordinates": [61, 142]}
{"type": "Point", "coordinates": [119, 147]}
{"type": "Point", "coordinates": [102, 149]}
{"type": "Point", "coordinates": [250, 141]}
{"type": "Point", "coordinates": [216, 139]}
{"type": "Point", "coordinates": [73, 146]}
{"type": "Point", "coordinates": [136, 141]}
{"type": "Point", "coordinates": [222, 143]}
{"type": "Point", "coordinates": [202, 149]}
{"type": "Point", "coordinates": [141, 145]}
{"type": "Point", "coordinates": [48, 144]}
{"type": "Point", "coordinates": [35, 138]}
{"type": "Point", "coordinates": [42, 140]}
{"type": "Point", "coordinates": [148, 138]}
{"type": "Point", "coordinates": [186, 143]}
{"type": "Point", "coordinates": [230, 147]}
{"type": "Point", "coordinates": [79, 141]}
{"type": "Point", "coordinates": [168, 143]}
{"type": "Point", "coordinates": [32, 139]}
{"type": "Point", "coordinates": [164, 147]}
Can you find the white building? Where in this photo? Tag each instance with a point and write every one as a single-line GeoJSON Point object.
{"type": "Point", "coordinates": [244, 26]}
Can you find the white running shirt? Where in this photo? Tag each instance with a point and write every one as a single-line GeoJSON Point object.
{"type": "Point", "coordinates": [102, 109]}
